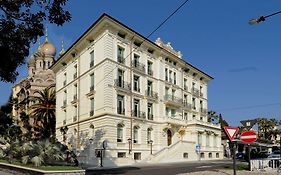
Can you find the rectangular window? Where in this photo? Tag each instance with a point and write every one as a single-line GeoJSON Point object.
{"type": "Point", "coordinates": [92, 87]}
{"type": "Point", "coordinates": [135, 134]}
{"type": "Point", "coordinates": [120, 55]}
{"type": "Point", "coordinates": [137, 156]}
{"type": "Point", "coordinates": [173, 112]}
{"type": "Point", "coordinates": [120, 78]}
{"type": "Point", "coordinates": [75, 72]}
{"type": "Point", "coordinates": [119, 133]}
{"type": "Point", "coordinates": [173, 94]}
{"type": "Point", "coordinates": [120, 104]}
{"type": "Point", "coordinates": [193, 104]}
{"type": "Point", "coordinates": [167, 111]}
{"type": "Point", "coordinates": [175, 78]}
{"type": "Point", "coordinates": [75, 114]}
{"type": "Point", "coordinates": [64, 79]}
{"type": "Point", "coordinates": [170, 77]}
{"type": "Point", "coordinates": [149, 88]}
{"type": "Point", "coordinates": [136, 108]}
{"type": "Point", "coordinates": [121, 154]}
{"type": "Point", "coordinates": [92, 107]}
{"type": "Point", "coordinates": [166, 74]}
{"type": "Point", "coordinates": [92, 61]}
{"type": "Point", "coordinates": [149, 68]}
{"type": "Point", "coordinates": [185, 84]}
{"type": "Point", "coordinates": [202, 155]}
{"type": "Point", "coordinates": [136, 83]}
{"type": "Point", "coordinates": [136, 60]}
{"type": "Point", "coordinates": [210, 155]}
{"type": "Point", "coordinates": [185, 116]}
{"type": "Point", "coordinates": [150, 111]}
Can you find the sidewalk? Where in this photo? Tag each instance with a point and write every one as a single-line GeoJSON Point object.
{"type": "Point", "coordinates": [230, 172]}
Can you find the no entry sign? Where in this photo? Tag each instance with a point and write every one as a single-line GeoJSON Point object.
{"type": "Point", "coordinates": [248, 137]}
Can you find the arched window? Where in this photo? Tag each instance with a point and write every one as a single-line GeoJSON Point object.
{"type": "Point", "coordinates": [149, 130]}
{"type": "Point", "coordinates": [136, 133]}
{"type": "Point", "coordinates": [120, 132]}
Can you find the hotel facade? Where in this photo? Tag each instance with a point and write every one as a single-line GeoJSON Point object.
{"type": "Point", "coordinates": [139, 99]}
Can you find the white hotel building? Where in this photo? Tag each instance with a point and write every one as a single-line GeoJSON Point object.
{"type": "Point", "coordinates": [142, 97]}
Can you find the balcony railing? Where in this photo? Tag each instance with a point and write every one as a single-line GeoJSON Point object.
{"type": "Point", "coordinates": [122, 84]}
{"type": "Point", "coordinates": [173, 100]}
{"type": "Point", "coordinates": [120, 59]}
{"type": "Point", "coordinates": [138, 66]}
{"type": "Point", "coordinates": [186, 105]}
{"type": "Point", "coordinates": [151, 94]}
{"type": "Point", "coordinates": [92, 112]}
{"type": "Point", "coordinates": [150, 116]}
{"type": "Point", "coordinates": [139, 114]}
{"type": "Point", "coordinates": [92, 63]}
{"type": "Point", "coordinates": [121, 111]}
{"type": "Point", "coordinates": [195, 92]}
{"type": "Point", "coordinates": [74, 101]}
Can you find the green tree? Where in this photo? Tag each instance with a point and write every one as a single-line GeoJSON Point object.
{"type": "Point", "coordinates": [267, 128]}
{"type": "Point", "coordinates": [21, 23]}
{"type": "Point", "coordinates": [43, 112]}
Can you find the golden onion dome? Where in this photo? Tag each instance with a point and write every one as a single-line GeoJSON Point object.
{"type": "Point", "coordinates": [48, 49]}
{"type": "Point", "coordinates": [31, 61]}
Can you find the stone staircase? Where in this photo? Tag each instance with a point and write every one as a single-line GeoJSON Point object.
{"type": "Point", "coordinates": [172, 153]}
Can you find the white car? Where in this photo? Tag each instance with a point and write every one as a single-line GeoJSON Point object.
{"type": "Point", "coordinates": [275, 154]}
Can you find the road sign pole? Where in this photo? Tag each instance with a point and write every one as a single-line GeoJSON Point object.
{"type": "Point", "coordinates": [249, 156]}
{"type": "Point", "coordinates": [233, 156]}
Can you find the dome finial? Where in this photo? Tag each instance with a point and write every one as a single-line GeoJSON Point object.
{"type": "Point", "coordinates": [62, 47]}
{"type": "Point", "coordinates": [46, 34]}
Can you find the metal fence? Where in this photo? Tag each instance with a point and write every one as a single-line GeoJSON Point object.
{"type": "Point", "coordinates": [267, 164]}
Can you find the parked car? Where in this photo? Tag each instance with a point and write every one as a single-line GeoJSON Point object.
{"type": "Point", "coordinates": [274, 154]}
{"type": "Point", "coordinates": [240, 156]}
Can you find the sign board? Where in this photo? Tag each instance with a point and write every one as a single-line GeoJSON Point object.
{"type": "Point", "coordinates": [230, 132]}
{"type": "Point", "coordinates": [197, 147]}
{"type": "Point", "coordinates": [248, 137]}
{"type": "Point", "coordinates": [249, 123]}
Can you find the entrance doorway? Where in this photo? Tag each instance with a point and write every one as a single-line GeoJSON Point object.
{"type": "Point", "coordinates": [169, 137]}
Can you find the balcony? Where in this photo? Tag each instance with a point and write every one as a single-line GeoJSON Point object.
{"type": "Point", "coordinates": [195, 92]}
{"type": "Point", "coordinates": [172, 100]}
{"type": "Point", "coordinates": [203, 111]}
{"type": "Point", "coordinates": [92, 63]}
{"type": "Point", "coordinates": [186, 105]}
{"type": "Point", "coordinates": [150, 72]}
{"type": "Point", "coordinates": [75, 75]}
{"type": "Point", "coordinates": [151, 95]}
{"type": "Point", "coordinates": [121, 111]}
{"type": "Point", "coordinates": [120, 59]}
{"type": "Point", "coordinates": [122, 85]}
{"type": "Point", "coordinates": [92, 112]}
{"type": "Point", "coordinates": [139, 114]}
{"type": "Point", "coordinates": [138, 66]}
{"type": "Point", "coordinates": [91, 92]}
{"type": "Point", "coordinates": [150, 116]}
{"type": "Point", "coordinates": [74, 101]}
{"type": "Point", "coordinates": [203, 123]}
{"type": "Point", "coordinates": [174, 121]}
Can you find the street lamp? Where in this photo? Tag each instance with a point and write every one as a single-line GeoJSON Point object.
{"type": "Point", "coordinates": [261, 18]}
{"type": "Point", "coordinates": [150, 142]}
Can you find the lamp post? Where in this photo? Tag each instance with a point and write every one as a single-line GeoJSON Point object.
{"type": "Point", "coordinates": [261, 18]}
{"type": "Point", "coordinates": [130, 142]}
{"type": "Point", "coordinates": [150, 142]}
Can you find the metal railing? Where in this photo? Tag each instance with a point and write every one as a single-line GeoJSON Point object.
{"type": "Point", "coordinates": [139, 114]}
{"type": "Point", "coordinates": [172, 98]}
{"type": "Point", "coordinates": [122, 84]}
{"type": "Point", "coordinates": [150, 116]}
{"type": "Point", "coordinates": [150, 72]}
{"type": "Point", "coordinates": [137, 65]}
{"type": "Point", "coordinates": [151, 94]}
{"type": "Point", "coordinates": [120, 59]}
{"type": "Point", "coordinates": [186, 105]}
{"type": "Point", "coordinates": [195, 92]}
{"type": "Point", "coordinates": [92, 112]}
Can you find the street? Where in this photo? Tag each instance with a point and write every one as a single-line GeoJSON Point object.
{"type": "Point", "coordinates": [164, 168]}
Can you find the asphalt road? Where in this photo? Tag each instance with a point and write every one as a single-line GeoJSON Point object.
{"type": "Point", "coordinates": [163, 169]}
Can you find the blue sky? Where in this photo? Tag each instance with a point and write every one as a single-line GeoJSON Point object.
{"type": "Point", "coordinates": [212, 35]}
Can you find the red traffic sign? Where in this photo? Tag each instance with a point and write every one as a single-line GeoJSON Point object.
{"type": "Point", "coordinates": [230, 132]}
{"type": "Point", "coordinates": [248, 137]}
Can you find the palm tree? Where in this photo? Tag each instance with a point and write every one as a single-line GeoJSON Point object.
{"type": "Point", "coordinates": [43, 112]}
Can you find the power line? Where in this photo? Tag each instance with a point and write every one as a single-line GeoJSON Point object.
{"type": "Point", "coordinates": [249, 107]}
{"type": "Point", "coordinates": [160, 25]}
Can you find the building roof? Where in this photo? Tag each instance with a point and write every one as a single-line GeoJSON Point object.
{"type": "Point", "coordinates": [104, 15]}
